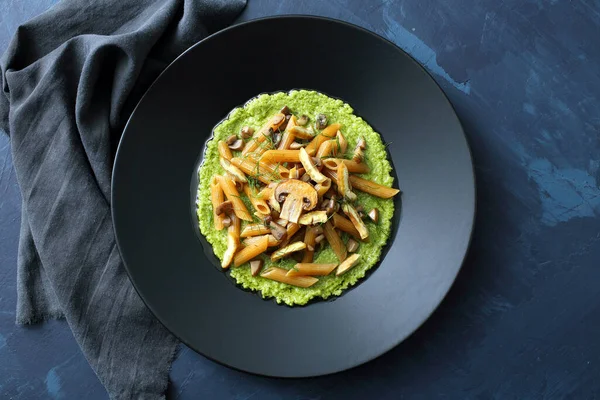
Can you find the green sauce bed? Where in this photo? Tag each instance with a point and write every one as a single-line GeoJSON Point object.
{"type": "Point", "coordinates": [255, 113]}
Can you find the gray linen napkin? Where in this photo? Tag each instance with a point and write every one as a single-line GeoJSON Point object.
{"type": "Point", "coordinates": [70, 79]}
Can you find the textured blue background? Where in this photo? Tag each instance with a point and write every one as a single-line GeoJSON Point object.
{"type": "Point", "coordinates": [523, 319]}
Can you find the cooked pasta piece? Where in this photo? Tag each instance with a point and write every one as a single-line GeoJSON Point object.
{"type": "Point", "coordinates": [344, 188]}
{"type": "Point", "coordinates": [313, 217]}
{"type": "Point", "coordinates": [291, 230]}
{"type": "Point", "coordinates": [239, 208]}
{"type": "Point", "coordinates": [263, 133]}
{"type": "Point", "coordinates": [334, 241]}
{"type": "Point", "coordinates": [342, 141]}
{"type": "Point", "coordinates": [224, 150]}
{"type": "Point", "coordinates": [345, 225]}
{"type": "Point", "coordinates": [260, 205]}
{"type": "Point", "coordinates": [280, 156]}
{"type": "Point", "coordinates": [266, 173]}
{"type": "Point", "coordinates": [234, 171]}
{"type": "Point", "coordinates": [303, 269]}
{"type": "Point", "coordinates": [254, 230]}
{"type": "Point", "coordinates": [364, 185]}
{"type": "Point", "coordinates": [353, 167]}
{"type": "Point", "coordinates": [326, 134]}
{"type": "Point", "coordinates": [272, 242]}
{"type": "Point", "coordinates": [233, 241]}
{"type": "Point", "coordinates": [280, 275]}
{"type": "Point", "coordinates": [287, 250]}
{"type": "Point", "coordinates": [309, 239]}
{"type": "Point", "coordinates": [217, 197]}
{"type": "Point", "coordinates": [249, 252]}
{"type": "Point", "coordinates": [310, 167]}
{"type": "Point", "coordinates": [323, 187]}
{"type": "Point", "coordinates": [302, 133]}
{"type": "Point", "coordinates": [372, 188]}
{"type": "Point", "coordinates": [288, 137]}
{"type": "Point", "coordinates": [357, 221]}
{"type": "Point", "coordinates": [326, 148]}
{"type": "Point", "coordinates": [348, 263]}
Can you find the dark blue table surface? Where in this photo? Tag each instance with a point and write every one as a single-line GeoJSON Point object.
{"type": "Point", "coordinates": [523, 318]}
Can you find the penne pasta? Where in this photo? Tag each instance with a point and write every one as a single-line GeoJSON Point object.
{"type": "Point", "coordinates": [288, 137]}
{"type": "Point", "coordinates": [234, 171]}
{"type": "Point", "coordinates": [372, 188]}
{"type": "Point", "coordinates": [304, 269]}
{"type": "Point", "coordinates": [348, 263]}
{"type": "Point", "coordinates": [239, 208]}
{"type": "Point", "coordinates": [326, 134]}
{"type": "Point", "coordinates": [263, 133]}
{"type": "Point", "coordinates": [280, 275]}
{"type": "Point", "coordinates": [249, 252]}
{"type": "Point", "coordinates": [302, 132]}
{"type": "Point", "coordinates": [364, 185]}
{"type": "Point", "coordinates": [335, 241]}
{"type": "Point", "coordinates": [280, 156]}
{"type": "Point", "coordinates": [344, 187]}
{"type": "Point", "coordinates": [217, 197]}
{"type": "Point", "coordinates": [325, 149]}
{"type": "Point", "coordinates": [287, 250]}
{"type": "Point", "coordinates": [358, 223]}
{"type": "Point", "coordinates": [310, 168]}
{"type": "Point", "coordinates": [309, 239]}
{"type": "Point", "coordinates": [233, 241]}
{"type": "Point", "coordinates": [264, 194]}
{"type": "Point", "coordinates": [342, 141]}
{"type": "Point", "coordinates": [224, 150]}
{"type": "Point", "coordinates": [291, 230]}
{"type": "Point", "coordinates": [345, 225]}
{"type": "Point", "coordinates": [353, 167]}
{"type": "Point", "coordinates": [266, 173]}
{"type": "Point", "coordinates": [272, 242]}
{"type": "Point", "coordinates": [260, 205]}
{"type": "Point", "coordinates": [254, 230]}
{"type": "Point", "coordinates": [323, 187]}
{"type": "Point", "coordinates": [313, 217]}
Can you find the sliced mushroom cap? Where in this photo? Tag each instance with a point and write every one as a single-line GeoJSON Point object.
{"type": "Point", "coordinates": [231, 139]}
{"type": "Point", "coordinates": [237, 145]}
{"type": "Point", "coordinates": [278, 231]}
{"type": "Point", "coordinates": [374, 215]}
{"type": "Point", "coordinates": [224, 207]}
{"type": "Point", "coordinates": [296, 145]}
{"type": "Point", "coordinates": [303, 120]}
{"type": "Point", "coordinates": [256, 266]}
{"type": "Point", "coordinates": [247, 132]}
{"type": "Point", "coordinates": [298, 196]}
{"type": "Point", "coordinates": [352, 245]}
{"type": "Point", "coordinates": [321, 121]}
{"type": "Point", "coordinates": [285, 110]}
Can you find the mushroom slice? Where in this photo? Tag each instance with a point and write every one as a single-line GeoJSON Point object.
{"type": "Point", "coordinates": [343, 181]}
{"type": "Point", "coordinates": [232, 246]}
{"type": "Point", "coordinates": [314, 217]}
{"type": "Point", "coordinates": [277, 230]}
{"type": "Point", "coordinates": [224, 207]}
{"type": "Point", "coordinates": [256, 266]}
{"type": "Point", "coordinates": [310, 167]}
{"type": "Point", "coordinates": [374, 215]}
{"type": "Point", "coordinates": [361, 145]}
{"type": "Point", "coordinates": [348, 263]}
{"type": "Point", "coordinates": [352, 245]}
{"type": "Point", "coordinates": [296, 196]}
{"type": "Point", "coordinates": [321, 121]}
{"type": "Point", "coordinates": [356, 220]}
{"type": "Point", "coordinates": [233, 170]}
{"type": "Point", "coordinates": [287, 250]}
{"type": "Point", "coordinates": [302, 133]}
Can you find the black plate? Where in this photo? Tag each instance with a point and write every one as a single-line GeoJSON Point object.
{"type": "Point", "coordinates": [156, 162]}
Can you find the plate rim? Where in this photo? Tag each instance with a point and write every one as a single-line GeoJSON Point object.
{"type": "Point", "coordinates": [375, 35]}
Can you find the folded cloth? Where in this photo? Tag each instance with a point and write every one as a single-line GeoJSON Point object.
{"type": "Point", "coordinates": [70, 79]}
